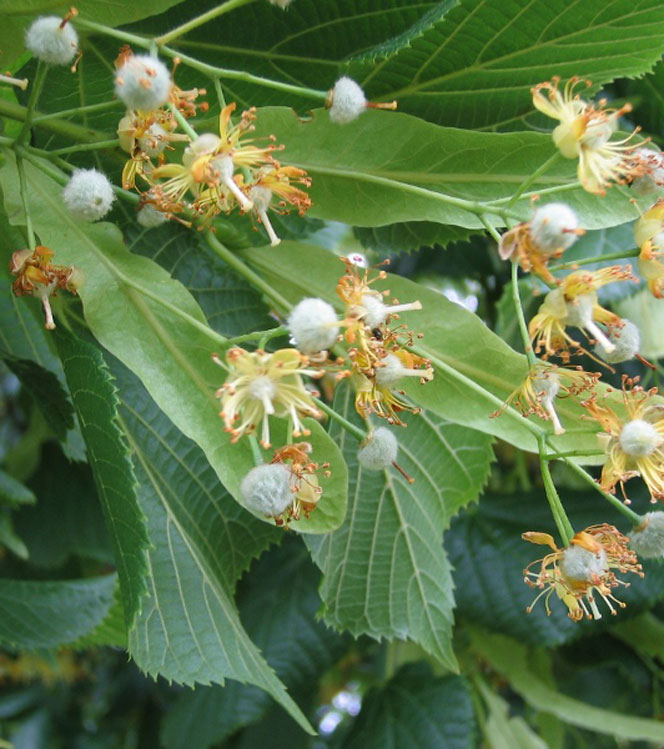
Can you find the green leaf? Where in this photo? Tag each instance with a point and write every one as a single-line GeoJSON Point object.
{"type": "Point", "coordinates": [399, 583]}
{"type": "Point", "coordinates": [189, 630]}
{"type": "Point", "coordinates": [67, 519]}
{"type": "Point", "coordinates": [96, 403]}
{"type": "Point", "coordinates": [279, 618]}
{"type": "Point", "coordinates": [511, 660]}
{"type": "Point", "coordinates": [17, 16]}
{"type": "Point", "coordinates": [489, 557]}
{"type": "Point", "coordinates": [46, 391]}
{"type": "Point", "coordinates": [475, 67]}
{"type": "Point", "coordinates": [8, 537]}
{"type": "Point", "coordinates": [649, 104]}
{"type": "Point", "coordinates": [410, 235]}
{"type": "Point", "coordinates": [154, 326]}
{"type": "Point", "coordinates": [387, 167]}
{"type": "Point", "coordinates": [48, 614]}
{"type": "Point", "coordinates": [111, 631]}
{"type": "Point", "coordinates": [13, 492]}
{"type": "Point", "coordinates": [415, 709]}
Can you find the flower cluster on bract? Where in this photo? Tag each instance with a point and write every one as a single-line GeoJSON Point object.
{"type": "Point", "coordinates": [585, 131]}
{"type": "Point", "coordinates": [260, 385]}
{"type": "Point", "coordinates": [377, 354]}
{"type": "Point", "coordinates": [649, 237]}
{"type": "Point", "coordinates": [633, 444]}
{"type": "Point", "coordinates": [582, 570]}
{"type": "Point", "coordinates": [37, 276]}
{"type": "Point", "coordinates": [543, 384]}
{"type": "Point", "coordinates": [575, 303]}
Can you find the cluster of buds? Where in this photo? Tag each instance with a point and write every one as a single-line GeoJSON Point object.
{"type": "Point", "coordinates": [582, 570]}
{"type": "Point", "coordinates": [37, 276]}
{"type": "Point", "coordinates": [585, 132]}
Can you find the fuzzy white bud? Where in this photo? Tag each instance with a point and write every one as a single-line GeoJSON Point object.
{"type": "Point", "coordinates": [654, 178]}
{"type": "Point", "coordinates": [626, 340]}
{"type": "Point", "coordinates": [143, 82]}
{"type": "Point", "coordinates": [51, 40]}
{"type": "Point", "coordinates": [149, 217]}
{"type": "Point", "coordinates": [648, 539]}
{"type": "Point", "coordinates": [580, 564]}
{"type": "Point", "coordinates": [347, 101]}
{"type": "Point", "coordinates": [313, 326]}
{"type": "Point", "coordinates": [267, 489]}
{"type": "Point", "coordinates": [639, 439]}
{"type": "Point", "coordinates": [379, 450]}
{"type": "Point", "coordinates": [88, 195]}
{"type": "Point", "coordinates": [554, 227]}
{"type": "Point", "coordinates": [376, 310]}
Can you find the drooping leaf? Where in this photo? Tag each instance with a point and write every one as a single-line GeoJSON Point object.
{"type": "Point", "coordinates": [189, 630]}
{"type": "Point", "coordinates": [474, 67]}
{"type": "Point", "coordinates": [297, 646]}
{"type": "Point", "coordinates": [47, 614]}
{"type": "Point", "coordinates": [416, 709]}
{"type": "Point", "coordinates": [489, 556]}
{"type": "Point", "coordinates": [13, 492]}
{"type": "Point", "coordinates": [389, 167]}
{"type": "Point", "coordinates": [155, 327]}
{"type": "Point", "coordinates": [510, 659]}
{"type": "Point", "coordinates": [95, 399]}
{"type": "Point", "coordinates": [398, 584]}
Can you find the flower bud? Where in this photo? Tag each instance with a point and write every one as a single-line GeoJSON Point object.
{"type": "Point", "coordinates": [267, 489]}
{"type": "Point", "coordinates": [554, 226]}
{"type": "Point", "coordinates": [647, 540]}
{"type": "Point", "coordinates": [313, 326]}
{"type": "Point", "coordinates": [379, 450]}
{"type": "Point", "coordinates": [639, 439]}
{"type": "Point", "coordinates": [143, 82]}
{"type": "Point", "coordinates": [149, 217]}
{"type": "Point", "coordinates": [52, 39]}
{"type": "Point", "coordinates": [88, 195]}
{"type": "Point", "coordinates": [346, 101]}
{"type": "Point", "coordinates": [581, 564]}
{"type": "Point", "coordinates": [626, 340]}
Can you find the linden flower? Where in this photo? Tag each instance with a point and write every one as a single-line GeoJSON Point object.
{"type": "Point", "coordinates": [37, 276]}
{"type": "Point", "coordinates": [543, 384]}
{"type": "Point", "coordinates": [261, 385]}
{"type": "Point", "coordinates": [553, 229]}
{"type": "Point", "coordinates": [576, 573]}
{"type": "Point", "coordinates": [633, 445]}
{"type": "Point", "coordinates": [575, 303]}
{"type": "Point", "coordinates": [305, 484]}
{"type": "Point", "coordinates": [584, 132]}
{"type": "Point", "coordinates": [649, 236]}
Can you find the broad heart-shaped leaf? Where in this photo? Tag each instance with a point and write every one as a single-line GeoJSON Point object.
{"type": "Point", "coordinates": [388, 167]}
{"type": "Point", "coordinates": [453, 337]}
{"type": "Point", "coordinates": [156, 328]}
{"type": "Point", "coordinates": [489, 557]}
{"type": "Point", "coordinates": [96, 402]}
{"type": "Point", "coordinates": [416, 709]}
{"type": "Point", "coordinates": [385, 572]}
{"type": "Point", "coordinates": [17, 16]}
{"type": "Point", "coordinates": [512, 660]}
{"type": "Point", "coordinates": [475, 67]}
{"type": "Point", "coordinates": [46, 614]}
{"type": "Point", "coordinates": [279, 618]}
{"type": "Point", "coordinates": [189, 630]}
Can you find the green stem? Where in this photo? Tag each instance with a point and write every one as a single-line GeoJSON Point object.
{"type": "Point", "coordinates": [490, 228]}
{"type": "Point", "coordinates": [254, 279]}
{"type": "Point", "coordinates": [62, 127]}
{"type": "Point", "coordinates": [200, 20]}
{"type": "Point", "coordinates": [256, 450]}
{"type": "Point", "coordinates": [220, 94]}
{"type": "Point", "coordinates": [565, 529]}
{"type": "Point", "coordinates": [623, 254]}
{"type": "Point", "coordinates": [518, 309]}
{"type": "Point", "coordinates": [102, 107]}
{"type": "Point", "coordinates": [183, 122]}
{"type": "Point", "coordinates": [534, 177]}
{"type": "Point", "coordinates": [35, 92]}
{"type": "Point", "coordinates": [573, 454]}
{"type": "Point", "coordinates": [23, 186]}
{"type": "Point", "coordinates": [632, 516]}
{"type": "Point", "coordinates": [258, 335]}
{"type": "Point", "coordinates": [124, 36]}
{"type": "Point", "coordinates": [85, 147]}
{"type": "Point", "coordinates": [347, 425]}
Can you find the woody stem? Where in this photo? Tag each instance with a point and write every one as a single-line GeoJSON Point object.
{"type": "Point", "coordinates": [557, 510]}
